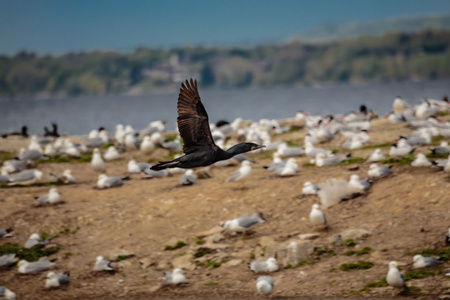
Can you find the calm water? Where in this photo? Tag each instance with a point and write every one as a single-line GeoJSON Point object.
{"type": "Point", "coordinates": [78, 115]}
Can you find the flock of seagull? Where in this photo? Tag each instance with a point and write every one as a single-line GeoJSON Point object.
{"type": "Point", "coordinates": [355, 127]}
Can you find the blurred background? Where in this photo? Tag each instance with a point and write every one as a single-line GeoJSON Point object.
{"type": "Point", "coordinates": [86, 64]}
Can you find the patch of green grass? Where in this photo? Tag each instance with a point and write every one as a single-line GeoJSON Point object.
{"type": "Point", "coordinates": [444, 253]}
{"type": "Point", "coordinates": [437, 155]}
{"type": "Point", "coordinates": [211, 283]}
{"type": "Point", "coordinates": [295, 142]}
{"type": "Point", "coordinates": [178, 245]}
{"type": "Point", "coordinates": [4, 155]}
{"type": "Point", "coordinates": [199, 240]}
{"type": "Point", "coordinates": [66, 159]}
{"type": "Point", "coordinates": [252, 255]}
{"type": "Point", "coordinates": [32, 254]}
{"type": "Point", "coordinates": [380, 283]}
{"type": "Point", "coordinates": [350, 243]}
{"type": "Point", "coordinates": [107, 145]}
{"type": "Point", "coordinates": [410, 291]}
{"type": "Point", "coordinates": [67, 254]}
{"type": "Point", "coordinates": [365, 250]}
{"type": "Point", "coordinates": [320, 251]}
{"type": "Point", "coordinates": [170, 137]}
{"type": "Point", "coordinates": [212, 264]}
{"type": "Point", "coordinates": [265, 155]}
{"type": "Point", "coordinates": [201, 252]}
{"type": "Point", "coordinates": [384, 145]}
{"type": "Point", "coordinates": [361, 265]}
{"type": "Point", "coordinates": [405, 159]}
{"type": "Point", "coordinates": [352, 160]}
{"type": "Point", "coordinates": [419, 274]}
{"type": "Point", "coordinates": [300, 263]}
{"type": "Point", "coordinates": [122, 257]}
{"type": "Point", "coordinates": [384, 250]}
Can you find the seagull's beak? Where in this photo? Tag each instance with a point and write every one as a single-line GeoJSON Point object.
{"type": "Point", "coordinates": [258, 147]}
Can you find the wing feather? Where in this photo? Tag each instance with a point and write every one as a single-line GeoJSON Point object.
{"type": "Point", "coordinates": [193, 123]}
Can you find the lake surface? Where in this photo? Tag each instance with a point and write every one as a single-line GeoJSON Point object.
{"type": "Point", "coordinates": [78, 115]}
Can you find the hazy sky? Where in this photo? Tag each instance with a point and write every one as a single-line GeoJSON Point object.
{"type": "Point", "coordinates": [57, 26]}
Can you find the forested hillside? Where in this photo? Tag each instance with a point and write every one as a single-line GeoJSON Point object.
{"type": "Point", "coordinates": [394, 56]}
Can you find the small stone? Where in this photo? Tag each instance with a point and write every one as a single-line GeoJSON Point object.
{"type": "Point", "coordinates": [308, 236]}
{"type": "Point", "coordinates": [233, 263]}
{"type": "Point", "coordinates": [155, 288]}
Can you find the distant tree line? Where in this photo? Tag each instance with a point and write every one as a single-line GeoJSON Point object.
{"type": "Point", "coordinates": [393, 56]}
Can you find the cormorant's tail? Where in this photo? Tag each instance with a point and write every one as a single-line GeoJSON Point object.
{"type": "Point", "coordinates": [164, 165]}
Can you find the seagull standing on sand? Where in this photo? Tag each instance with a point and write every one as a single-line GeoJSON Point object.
{"type": "Point", "coordinates": [425, 262]}
{"type": "Point", "coordinates": [360, 185]}
{"type": "Point", "coordinates": [175, 277]}
{"type": "Point", "coordinates": [52, 197]}
{"type": "Point", "coordinates": [198, 144]}
{"type": "Point", "coordinates": [317, 217]}
{"type": "Point", "coordinates": [55, 280]}
{"type": "Point", "coordinates": [270, 265]}
{"type": "Point", "coordinates": [97, 162]}
{"type": "Point", "coordinates": [322, 160]}
{"type": "Point", "coordinates": [103, 265]}
{"type": "Point", "coordinates": [394, 278]}
{"type": "Point", "coordinates": [241, 173]}
{"type": "Point", "coordinates": [264, 285]}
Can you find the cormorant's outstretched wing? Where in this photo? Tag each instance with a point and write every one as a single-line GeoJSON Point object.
{"type": "Point", "coordinates": [193, 123]}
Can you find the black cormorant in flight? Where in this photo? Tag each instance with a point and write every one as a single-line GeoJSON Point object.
{"type": "Point", "coordinates": [198, 144]}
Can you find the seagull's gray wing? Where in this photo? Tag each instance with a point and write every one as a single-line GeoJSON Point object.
{"type": "Point", "coordinates": [259, 266]}
{"type": "Point", "coordinates": [385, 170]}
{"type": "Point", "coordinates": [63, 279]}
{"type": "Point", "coordinates": [265, 278]}
{"type": "Point", "coordinates": [187, 180]}
{"type": "Point", "coordinates": [334, 160]}
{"type": "Point", "coordinates": [31, 155]}
{"type": "Point", "coordinates": [23, 176]}
{"type": "Point", "coordinates": [247, 222]}
{"type": "Point", "coordinates": [113, 181]}
{"type": "Point", "coordinates": [6, 259]}
{"type": "Point", "coordinates": [31, 242]}
{"type": "Point", "coordinates": [366, 183]}
{"type": "Point", "coordinates": [94, 142]}
{"type": "Point", "coordinates": [168, 277]}
{"type": "Point", "coordinates": [432, 261]}
{"type": "Point", "coordinates": [43, 199]}
{"type": "Point", "coordinates": [38, 266]}
{"type": "Point", "coordinates": [142, 166]}
{"type": "Point", "coordinates": [4, 178]}
{"type": "Point", "coordinates": [236, 174]}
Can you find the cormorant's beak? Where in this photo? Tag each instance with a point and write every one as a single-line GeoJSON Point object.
{"type": "Point", "coordinates": [258, 147]}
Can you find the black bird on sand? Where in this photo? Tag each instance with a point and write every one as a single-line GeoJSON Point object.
{"type": "Point", "coordinates": [198, 144]}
